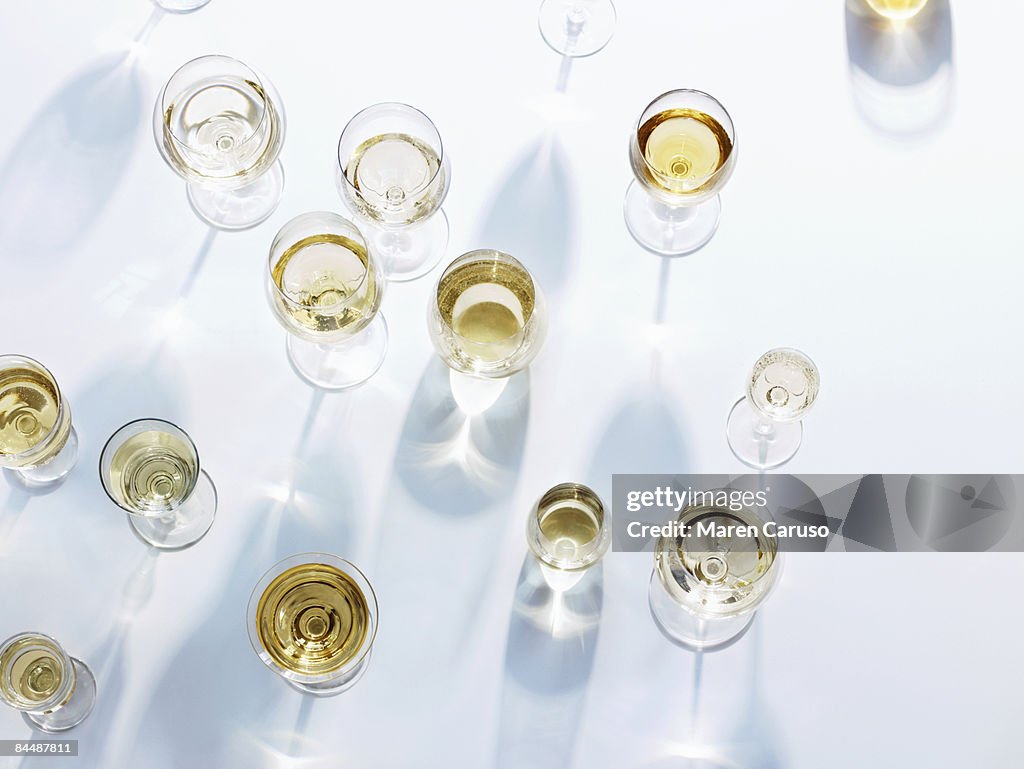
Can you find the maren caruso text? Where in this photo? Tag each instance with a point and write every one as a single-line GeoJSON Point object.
{"type": "Point", "coordinates": [639, 530]}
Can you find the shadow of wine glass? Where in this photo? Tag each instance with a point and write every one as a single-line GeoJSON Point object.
{"type": "Point", "coordinates": [459, 464]}
{"type": "Point", "coordinates": [63, 169]}
{"type": "Point", "coordinates": [214, 688]}
{"type": "Point", "coordinates": [901, 72]}
{"type": "Point", "coordinates": [532, 216]}
{"type": "Point", "coordinates": [552, 639]}
{"type": "Point", "coordinates": [644, 435]}
{"type": "Point", "coordinates": [100, 735]}
{"type": "Point", "coordinates": [732, 736]}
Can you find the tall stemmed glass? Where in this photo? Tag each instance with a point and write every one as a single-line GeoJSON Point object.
{"type": "Point", "coordinates": [682, 151]}
{"type": "Point", "coordinates": [568, 532]}
{"type": "Point", "coordinates": [706, 585]}
{"type": "Point", "coordinates": [53, 690]}
{"type": "Point", "coordinates": [764, 427]}
{"type": "Point", "coordinates": [37, 440]}
{"type": "Point", "coordinates": [312, 619]}
{"type": "Point", "coordinates": [393, 174]}
{"type": "Point", "coordinates": [220, 126]}
{"type": "Point", "coordinates": [577, 28]}
{"type": "Point", "coordinates": [325, 288]}
{"type": "Point", "coordinates": [150, 468]}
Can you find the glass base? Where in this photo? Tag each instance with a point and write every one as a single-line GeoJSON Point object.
{"type": "Point", "coordinates": [759, 442]}
{"type": "Point", "coordinates": [410, 252]}
{"type": "Point", "coordinates": [75, 710]}
{"type": "Point", "coordinates": [689, 630]}
{"type": "Point", "coordinates": [180, 6]}
{"type": "Point", "coordinates": [184, 526]}
{"type": "Point", "coordinates": [52, 471]}
{"type": "Point", "coordinates": [344, 364]}
{"type": "Point", "coordinates": [670, 230]}
{"type": "Point", "coordinates": [337, 686]}
{"type": "Point", "coordinates": [242, 208]}
{"type": "Point", "coordinates": [577, 28]}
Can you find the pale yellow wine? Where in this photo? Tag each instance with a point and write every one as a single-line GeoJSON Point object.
{"type": "Point", "coordinates": [29, 405]}
{"type": "Point", "coordinates": [153, 471]}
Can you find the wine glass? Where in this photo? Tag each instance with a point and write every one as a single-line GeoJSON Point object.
{"type": "Point", "coordinates": [220, 126]}
{"type": "Point", "coordinates": [577, 28]}
{"type": "Point", "coordinates": [325, 288]}
{"type": "Point", "coordinates": [568, 533]}
{"type": "Point", "coordinates": [53, 690]}
{"type": "Point", "coordinates": [37, 439]}
{"type": "Point", "coordinates": [312, 619]}
{"type": "Point", "coordinates": [764, 427]}
{"type": "Point", "coordinates": [150, 468]}
{"type": "Point", "coordinates": [486, 317]}
{"type": "Point", "coordinates": [393, 174]}
{"type": "Point", "coordinates": [682, 152]}
{"type": "Point", "coordinates": [707, 584]}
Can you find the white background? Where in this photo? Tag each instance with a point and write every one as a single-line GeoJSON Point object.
{"type": "Point", "coordinates": [896, 264]}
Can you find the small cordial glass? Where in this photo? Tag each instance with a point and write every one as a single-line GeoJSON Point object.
{"type": "Point", "coordinates": [53, 690]}
{"type": "Point", "coordinates": [682, 152]}
{"type": "Point", "coordinates": [312, 619]}
{"type": "Point", "coordinates": [487, 316]}
{"type": "Point", "coordinates": [764, 428]}
{"type": "Point", "coordinates": [325, 288]}
{"type": "Point", "coordinates": [568, 528]}
{"type": "Point", "coordinates": [37, 440]}
{"type": "Point", "coordinates": [150, 468]}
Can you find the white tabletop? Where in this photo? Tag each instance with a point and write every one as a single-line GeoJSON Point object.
{"type": "Point", "coordinates": [894, 261]}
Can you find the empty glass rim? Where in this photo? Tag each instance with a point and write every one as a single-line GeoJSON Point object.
{"type": "Point", "coordinates": [318, 558]}
{"type": "Point", "coordinates": [105, 481]}
{"type": "Point", "coordinates": [343, 162]}
{"type": "Point", "coordinates": [256, 77]}
{"type": "Point", "coordinates": [272, 262]}
{"type": "Point", "coordinates": [487, 255]}
{"type": "Point", "coordinates": [13, 358]}
{"type": "Point", "coordinates": [730, 128]}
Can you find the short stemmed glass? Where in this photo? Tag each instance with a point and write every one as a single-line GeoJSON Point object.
{"type": "Point", "coordinates": [682, 151]}
{"type": "Point", "coordinates": [706, 585]}
{"type": "Point", "coordinates": [312, 619]}
{"type": "Point", "coordinates": [486, 318]}
{"type": "Point", "coordinates": [764, 427]}
{"type": "Point", "coordinates": [150, 468]}
{"type": "Point", "coordinates": [567, 531]}
{"type": "Point", "coordinates": [53, 690]}
{"type": "Point", "coordinates": [577, 28]}
{"type": "Point", "coordinates": [37, 440]}
{"type": "Point", "coordinates": [393, 174]}
{"type": "Point", "coordinates": [220, 126]}
{"type": "Point", "coordinates": [325, 288]}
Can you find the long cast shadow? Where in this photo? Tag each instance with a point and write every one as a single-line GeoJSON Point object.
{"type": "Point", "coordinates": [902, 72]}
{"type": "Point", "coordinates": [552, 639]}
{"type": "Point", "coordinates": [532, 216]}
{"type": "Point", "coordinates": [65, 166]}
